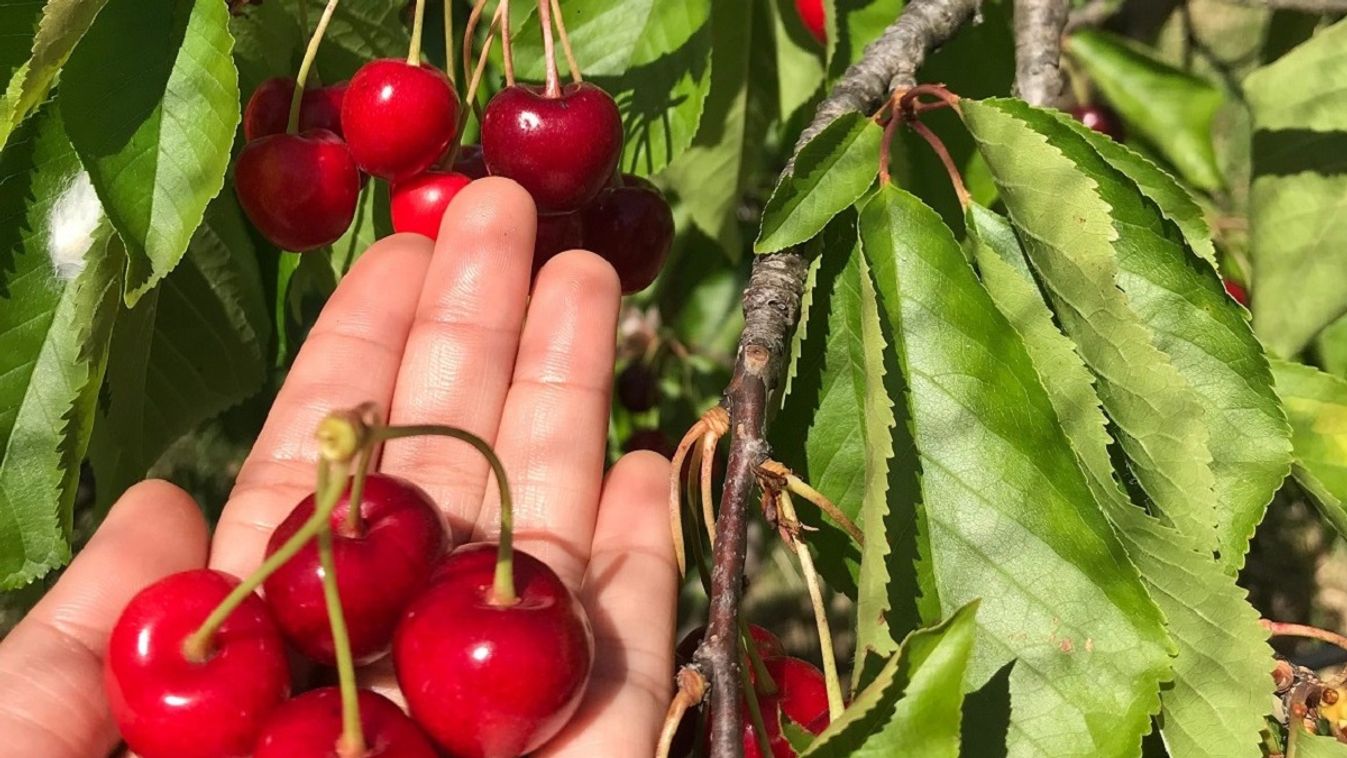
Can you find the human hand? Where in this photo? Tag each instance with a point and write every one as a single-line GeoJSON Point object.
{"type": "Point", "coordinates": [441, 333]}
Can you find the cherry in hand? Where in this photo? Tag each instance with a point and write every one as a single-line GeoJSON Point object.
{"type": "Point", "coordinates": [488, 680]}
{"type": "Point", "coordinates": [562, 149]}
{"type": "Point", "coordinates": [811, 15]}
{"type": "Point", "coordinates": [268, 109]}
{"type": "Point", "coordinates": [170, 705]}
{"type": "Point", "coordinates": [309, 726]}
{"type": "Point", "coordinates": [379, 569]}
{"type": "Point", "coordinates": [399, 118]}
{"type": "Point", "coordinates": [632, 227]}
{"type": "Point", "coordinates": [1100, 118]}
{"type": "Point", "coordinates": [299, 190]}
{"type": "Point", "coordinates": [418, 204]}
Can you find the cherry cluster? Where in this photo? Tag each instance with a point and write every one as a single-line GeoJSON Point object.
{"type": "Point", "coordinates": [309, 151]}
{"type": "Point", "coordinates": [197, 662]}
{"type": "Point", "coordinates": [784, 687]}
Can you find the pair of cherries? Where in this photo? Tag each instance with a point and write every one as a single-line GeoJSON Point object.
{"type": "Point", "coordinates": [481, 679]}
{"type": "Point", "coordinates": [799, 693]}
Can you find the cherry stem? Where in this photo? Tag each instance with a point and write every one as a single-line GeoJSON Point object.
{"type": "Point", "coordinates": [196, 647]}
{"type": "Point", "coordinates": [1285, 629]}
{"type": "Point", "coordinates": [354, 526]}
{"type": "Point", "coordinates": [414, 50]}
{"type": "Point", "coordinates": [766, 685]}
{"type": "Point", "coordinates": [310, 53]}
{"type": "Point", "coordinates": [449, 43]}
{"type": "Point", "coordinates": [352, 741]}
{"type": "Point", "coordinates": [825, 637]}
{"type": "Point", "coordinates": [571, 63]}
{"type": "Point", "coordinates": [503, 589]}
{"type": "Point", "coordinates": [553, 85]}
{"type": "Point", "coordinates": [672, 718]}
{"type": "Point", "coordinates": [675, 492]}
{"type": "Point", "coordinates": [477, 70]}
{"type": "Point", "coordinates": [469, 29]}
{"type": "Point", "coordinates": [801, 487]}
{"type": "Point", "coordinates": [755, 713]}
{"type": "Point", "coordinates": [955, 178]}
{"type": "Point", "coordinates": [886, 146]}
{"type": "Point", "coordinates": [708, 456]}
{"type": "Point", "coordinates": [507, 53]}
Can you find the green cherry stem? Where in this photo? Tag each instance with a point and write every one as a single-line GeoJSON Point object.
{"type": "Point", "coordinates": [449, 43]}
{"type": "Point", "coordinates": [353, 526]}
{"type": "Point", "coordinates": [503, 589]}
{"type": "Point", "coordinates": [310, 53]}
{"type": "Point", "coordinates": [755, 712]}
{"type": "Point", "coordinates": [197, 645]}
{"type": "Point", "coordinates": [766, 685]}
{"type": "Point", "coordinates": [352, 741]}
{"type": "Point", "coordinates": [552, 88]}
{"type": "Point", "coordinates": [825, 637]}
{"type": "Point", "coordinates": [414, 50]}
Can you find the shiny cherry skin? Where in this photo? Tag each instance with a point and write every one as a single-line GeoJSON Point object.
{"type": "Point", "coordinates": [310, 725]}
{"type": "Point", "coordinates": [418, 204]}
{"type": "Point", "coordinates": [801, 695]}
{"type": "Point", "coordinates": [563, 149]}
{"type": "Point", "coordinates": [1237, 291]}
{"type": "Point", "coordinates": [379, 570]}
{"type": "Point", "coordinates": [299, 190]}
{"type": "Point", "coordinates": [168, 706]}
{"type": "Point", "coordinates": [487, 681]}
{"type": "Point", "coordinates": [268, 109]}
{"type": "Point", "coordinates": [469, 162]}
{"type": "Point", "coordinates": [1100, 118]}
{"type": "Point", "coordinates": [632, 228]}
{"type": "Point", "coordinates": [811, 15]}
{"type": "Point", "coordinates": [398, 118]}
{"type": "Point", "coordinates": [557, 233]}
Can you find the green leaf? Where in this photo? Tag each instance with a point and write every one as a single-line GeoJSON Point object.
{"type": "Point", "coordinates": [1080, 223]}
{"type": "Point", "coordinates": [1298, 200]}
{"type": "Point", "coordinates": [61, 25]}
{"type": "Point", "coordinates": [831, 172]}
{"type": "Point", "coordinates": [653, 56]}
{"type": "Point", "coordinates": [1212, 345]}
{"type": "Point", "coordinates": [154, 128]}
{"type": "Point", "coordinates": [192, 347]}
{"type": "Point", "coordinates": [853, 24]}
{"type": "Point", "coordinates": [1011, 517]}
{"type": "Point", "coordinates": [59, 270]}
{"type": "Point", "coordinates": [913, 706]}
{"type": "Point", "coordinates": [1302, 744]}
{"type": "Point", "coordinates": [1170, 109]}
{"type": "Point", "coordinates": [1316, 402]}
{"type": "Point", "coordinates": [1208, 710]}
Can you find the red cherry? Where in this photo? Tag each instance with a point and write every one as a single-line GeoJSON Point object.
{"type": "Point", "coordinates": [299, 190]}
{"type": "Point", "coordinates": [811, 15]}
{"type": "Point", "coordinates": [469, 161]}
{"type": "Point", "coordinates": [1100, 118]}
{"type": "Point", "coordinates": [632, 227]}
{"type": "Point", "coordinates": [268, 108]}
{"type": "Point", "coordinates": [418, 203]}
{"type": "Point", "coordinates": [557, 233]}
{"type": "Point", "coordinates": [167, 706]}
{"type": "Point", "coordinates": [398, 118]}
{"type": "Point", "coordinates": [563, 150]}
{"type": "Point", "coordinates": [487, 681]}
{"type": "Point", "coordinates": [310, 725]}
{"type": "Point", "coordinates": [801, 695]}
{"type": "Point", "coordinates": [379, 571]}
{"type": "Point", "coordinates": [1237, 291]}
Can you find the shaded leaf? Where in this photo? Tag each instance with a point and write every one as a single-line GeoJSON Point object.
{"type": "Point", "coordinates": [1302, 744]}
{"type": "Point", "coordinates": [1316, 402]}
{"type": "Point", "coordinates": [1298, 201]}
{"type": "Point", "coordinates": [1011, 517]}
{"type": "Point", "coordinates": [154, 129]}
{"type": "Point", "coordinates": [1169, 108]}
{"type": "Point", "coordinates": [55, 26]}
{"type": "Point", "coordinates": [831, 172]}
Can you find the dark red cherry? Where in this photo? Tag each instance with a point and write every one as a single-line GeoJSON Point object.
{"type": "Point", "coordinates": [418, 204]}
{"type": "Point", "coordinates": [1237, 291]}
{"type": "Point", "coordinates": [310, 725]}
{"type": "Point", "coordinates": [638, 387]}
{"type": "Point", "coordinates": [299, 190]}
{"type": "Point", "coordinates": [398, 118]}
{"type": "Point", "coordinates": [268, 108]}
{"type": "Point", "coordinates": [469, 161]}
{"type": "Point", "coordinates": [487, 681]}
{"type": "Point", "coordinates": [801, 695]}
{"type": "Point", "coordinates": [649, 439]}
{"type": "Point", "coordinates": [632, 228]}
{"type": "Point", "coordinates": [379, 570]}
{"type": "Point", "coordinates": [563, 150]}
{"type": "Point", "coordinates": [1100, 118]}
{"type": "Point", "coordinates": [557, 233]}
{"type": "Point", "coordinates": [168, 706]}
{"type": "Point", "coordinates": [811, 15]}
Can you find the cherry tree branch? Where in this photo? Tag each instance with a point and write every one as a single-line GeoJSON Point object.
{"type": "Point", "coordinates": [771, 308]}
{"type": "Point", "coordinates": [1038, 50]}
